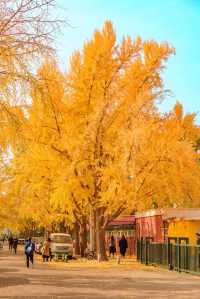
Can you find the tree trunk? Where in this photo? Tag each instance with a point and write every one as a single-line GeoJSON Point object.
{"type": "Point", "coordinates": [83, 237]}
{"type": "Point", "coordinates": [93, 243]}
{"type": "Point", "coordinates": [76, 239]}
{"type": "Point", "coordinates": [102, 256]}
{"type": "Point", "coordinates": [62, 227]}
{"type": "Point", "coordinates": [100, 236]}
{"type": "Point", "coordinates": [53, 227]}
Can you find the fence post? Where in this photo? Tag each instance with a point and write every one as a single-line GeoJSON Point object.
{"type": "Point", "coordinates": [146, 251]}
{"type": "Point", "coordinates": [198, 258]}
{"type": "Point", "coordinates": [169, 255]}
{"type": "Point", "coordinates": [138, 250]}
{"type": "Point", "coordinates": [179, 255]}
{"type": "Point", "coordinates": [141, 250]}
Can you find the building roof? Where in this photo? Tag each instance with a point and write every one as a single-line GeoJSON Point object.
{"type": "Point", "coordinates": [172, 213]}
{"type": "Point", "coordinates": [123, 220]}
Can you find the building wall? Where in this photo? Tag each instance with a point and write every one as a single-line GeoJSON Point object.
{"type": "Point", "coordinates": [150, 227]}
{"type": "Point", "coordinates": [185, 229]}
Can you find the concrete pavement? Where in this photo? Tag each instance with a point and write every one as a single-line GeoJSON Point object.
{"type": "Point", "coordinates": [54, 281]}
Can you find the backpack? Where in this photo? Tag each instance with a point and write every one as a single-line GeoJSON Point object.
{"type": "Point", "coordinates": [29, 249]}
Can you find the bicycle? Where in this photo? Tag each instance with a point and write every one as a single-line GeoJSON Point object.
{"type": "Point", "coordinates": [91, 255]}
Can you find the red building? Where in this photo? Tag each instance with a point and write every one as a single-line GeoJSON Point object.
{"type": "Point", "coordinates": [153, 224]}
{"type": "Point", "coordinates": [123, 225]}
{"type": "Point", "coordinates": [150, 225]}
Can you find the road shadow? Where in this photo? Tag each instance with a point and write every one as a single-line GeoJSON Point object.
{"type": "Point", "coordinates": [12, 281]}
{"type": "Point", "coordinates": [8, 270]}
{"type": "Point", "coordinates": [74, 296]}
{"type": "Point", "coordinates": [102, 282]}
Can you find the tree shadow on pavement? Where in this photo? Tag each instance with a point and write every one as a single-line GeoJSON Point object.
{"type": "Point", "coordinates": [12, 281]}
{"type": "Point", "coordinates": [8, 270]}
{"type": "Point", "coordinates": [111, 283]}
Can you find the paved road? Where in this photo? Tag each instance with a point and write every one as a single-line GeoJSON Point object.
{"type": "Point", "coordinates": [56, 282]}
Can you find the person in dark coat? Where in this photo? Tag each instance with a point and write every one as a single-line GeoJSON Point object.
{"type": "Point", "coordinates": [29, 252]}
{"type": "Point", "coordinates": [123, 245]}
{"type": "Point", "coordinates": [112, 246]}
{"type": "Point", "coordinates": [15, 243]}
{"type": "Point", "coordinates": [10, 243]}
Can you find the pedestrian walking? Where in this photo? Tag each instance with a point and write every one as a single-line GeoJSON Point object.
{"type": "Point", "coordinates": [15, 244]}
{"type": "Point", "coordinates": [10, 243]}
{"type": "Point", "coordinates": [29, 252]}
{"type": "Point", "coordinates": [123, 245]}
{"type": "Point", "coordinates": [112, 246]}
{"type": "Point", "coordinates": [46, 250]}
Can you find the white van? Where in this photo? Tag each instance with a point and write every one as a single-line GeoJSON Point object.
{"type": "Point", "coordinates": [61, 244]}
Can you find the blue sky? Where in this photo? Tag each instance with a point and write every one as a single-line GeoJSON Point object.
{"type": "Point", "coordinates": [175, 21]}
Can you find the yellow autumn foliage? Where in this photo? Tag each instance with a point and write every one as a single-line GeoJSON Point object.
{"type": "Point", "coordinates": [93, 143]}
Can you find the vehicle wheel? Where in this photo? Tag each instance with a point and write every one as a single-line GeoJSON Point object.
{"type": "Point", "coordinates": [66, 258]}
{"type": "Point", "coordinates": [55, 257]}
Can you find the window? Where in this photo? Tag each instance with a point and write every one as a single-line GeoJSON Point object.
{"type": "Point", "coordinates": [61, 239]}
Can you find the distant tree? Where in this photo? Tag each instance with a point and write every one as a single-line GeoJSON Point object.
{"type": "Point", "coordinates": [27, 33]}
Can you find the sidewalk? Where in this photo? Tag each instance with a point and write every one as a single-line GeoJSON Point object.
{"type": "Point", "coordinates": [80, 280]}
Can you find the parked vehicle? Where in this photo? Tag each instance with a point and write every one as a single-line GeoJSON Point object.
{"type": "Point", "coordinates": [21, 241]}
{"type": "Point", "coordinates": [61, 244]}
{"type": "Point", "coordinates": [1, 245]}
